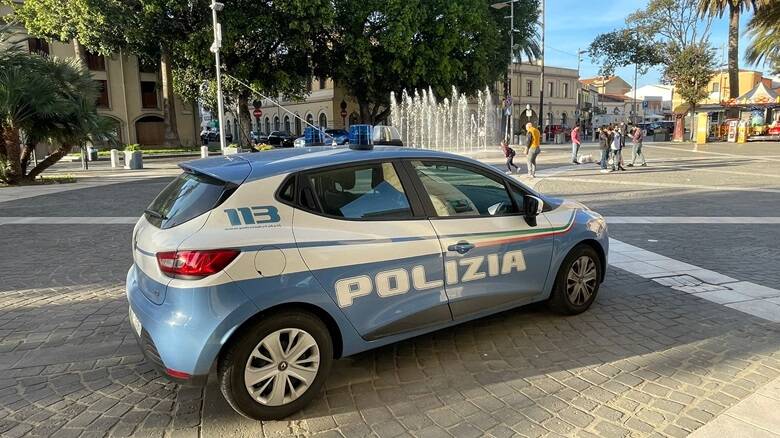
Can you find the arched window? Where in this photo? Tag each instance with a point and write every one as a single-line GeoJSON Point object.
{"type": "Point", "coordinates": [323, 120]}
{"type": "Point", "coordinates": [287, 123]}
{"type": "Point", "coordinates": [267, 125]}
{"type": "Point", "coordinates": [276, 123]}
{"type": "Point", "coordinates": [309, 119]}
{"type": "Point", "coordinates": [298, 125]}
{"type": "Point", "coordinates": [563, 119]}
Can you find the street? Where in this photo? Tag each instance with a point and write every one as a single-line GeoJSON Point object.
{"type": "Point", "coordinates": [684, 335]}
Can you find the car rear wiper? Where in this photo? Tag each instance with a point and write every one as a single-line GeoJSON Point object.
{"type": "Point", "coordinates": [156, 214]}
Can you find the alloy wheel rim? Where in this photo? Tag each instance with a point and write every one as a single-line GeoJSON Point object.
{"type": "Point", "coordinates": [282, 367]}
{"type": "Point", "coordinates": [581, 280]}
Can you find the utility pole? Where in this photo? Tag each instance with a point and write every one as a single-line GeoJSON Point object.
{"type": "Point", "coordinates": [216, 7]}
{"type": "Point", "coordinates": [579, 85]}
{"type": "Point", "coordinates": [541, 78]}
{"type": "Point", "coordinates": [511, 115]}
{"type": "Point", "coordinates": [634, 111]}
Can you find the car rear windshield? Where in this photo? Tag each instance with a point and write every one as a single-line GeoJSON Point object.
{"type": "Point", "coordinates": [187, 197]}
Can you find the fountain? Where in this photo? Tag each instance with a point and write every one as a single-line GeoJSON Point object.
{"type": "Point", "coordinates": [453, 124]}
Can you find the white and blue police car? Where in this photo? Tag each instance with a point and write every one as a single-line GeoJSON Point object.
{"type": "Point", "coordinates": [269, 266]}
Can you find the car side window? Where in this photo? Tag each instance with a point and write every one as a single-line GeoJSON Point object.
{"type": "Point", "coordinates": [456, 190]}
{"type": "Point", "coordinates": [369, 191]}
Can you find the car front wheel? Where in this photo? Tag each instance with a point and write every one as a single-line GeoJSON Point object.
{"type": "Point", "coordinates": [577, 282]}
{"type": "Point", "coordinates": [277, 367]}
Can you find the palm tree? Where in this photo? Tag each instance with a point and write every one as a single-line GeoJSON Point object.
{"type": "Point", "coordinates": [49, 99]}
{"type": "Point", "coordinates": [765, 35]}
{"type": "Point", "coordinates": [734, 8]}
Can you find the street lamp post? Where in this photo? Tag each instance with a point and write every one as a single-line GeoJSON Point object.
{"type": "Point", "coordinates": [579, 86]}
{"type": "Point", "coordinates": [541, 76]}
{"type": "Point", "coordinates": [502, 5]}
{"type": "Point", "coordinates": [216, 7]}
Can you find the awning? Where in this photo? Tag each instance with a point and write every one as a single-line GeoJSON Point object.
{"type": "Point", "coordinates": [760, 95]}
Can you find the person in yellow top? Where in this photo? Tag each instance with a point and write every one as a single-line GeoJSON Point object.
{"type": "Point", "coordinates": [534, 142]}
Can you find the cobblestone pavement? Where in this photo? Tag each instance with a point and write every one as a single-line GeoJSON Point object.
{"type": "Point", "coordinates": [644, 360]}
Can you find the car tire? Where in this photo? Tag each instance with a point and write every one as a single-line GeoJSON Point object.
{"type": "Point", "coordinates": [577, 282]}
{"type": "Point", "coordinates": [269, 401]}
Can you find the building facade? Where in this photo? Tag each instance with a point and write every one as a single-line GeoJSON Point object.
{"type": "Point", "coordinates": [561, 88]}
{"type": "Point", "coordinates": [131, 93]}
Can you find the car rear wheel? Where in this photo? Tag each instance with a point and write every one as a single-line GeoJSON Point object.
{"type": "Point", "coordinates": [277, 367]}
{"type": "Point", "coordinates": [577, 282]}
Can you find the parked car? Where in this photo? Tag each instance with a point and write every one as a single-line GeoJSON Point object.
{"type": "Point", "coordinates": [213, 135]}
{"type": "Point", "coordinates": [281, 139]}
{"type": "Point", "coordinates": [267, 267]}
{"type": "Point", "coordinates": [258, 137]}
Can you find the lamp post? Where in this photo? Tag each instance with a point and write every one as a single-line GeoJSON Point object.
{"type": "Point", "coordinates": [216, 7]}
{"type": "Point", "coordinates": [579, 87]}
{"type": "Point", "coordinates": [502, 5]}
{"type": "Point", "coordinates": [541, 76]}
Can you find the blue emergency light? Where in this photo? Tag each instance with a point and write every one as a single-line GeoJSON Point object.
{"type": "Point", "coordinates": [313, 136]}
{"type": "Point", "coordinates": [361, 137]}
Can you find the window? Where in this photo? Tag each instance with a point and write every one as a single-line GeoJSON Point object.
{"type": "Point", "coordinates": [276, 123]}
{"type": "Point", "coordinates": [564, 119]}
{"type": "Point", "coordinates": [102, 100]}
{"type": "Point", "coordinates": [323, 121]}
{"type": "Point", "coordinates": [456, 190]}
{"type": "Point", "coordinates": [715, 87]}
{"type": "Point", "coordinates": [529, 87]}
{"type": "Point", "coordinates": [565, 90]}
{"type": "Point", "coordinates": [550, 89]}
{"type": "Point", "coordinates": [372, 191]}
{"type": "Point", "coordinates": [267, 125]}
{"type": "Point", "coordinates": [39, 46]}
{"type": "Point", "coordinates": [309, 120]}
{"type": "Point", "coordinates": [322, 83]}
{"type": "Point", "coordinates": [287, 192]}
{"type": "Point", "coordinates": [298, 128]}
{"type": "Point", "coordinates": [95, 62]}
{"type": "Point", "coordinates": [287, 123]}
{"type": "Point", "coordinates": [148, 95]}
{"type": "Point", "coordinates": [186, 197]}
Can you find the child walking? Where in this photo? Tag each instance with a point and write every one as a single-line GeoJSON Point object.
{"type": "Point", "coordinates": [509, 153]}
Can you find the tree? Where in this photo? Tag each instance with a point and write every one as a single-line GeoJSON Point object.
{"type": "Point", "coordinates": [147, 28]}
{"type": "Point", "coordinates": [734, 8]}
{"type": "Point", "coordinates": [764, 31]}
{"type": "Point", "coordinates": [48, 99]}
{"type": "Point", "coordinates": [690, 70]}
{"type": "Point", "coordinates": [278, 58]}
{"type": "Point", "coordinates": [624, 47]}
{"type": "Point", "coordinates": [672, 22]}
{"type": "Point", "coordinates": [379, 46]}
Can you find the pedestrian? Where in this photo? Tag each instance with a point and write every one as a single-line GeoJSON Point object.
{"type": "Point", "coordinates": [615, 148]}
{"type": "Point", "coordinates": [604, 146]}
{"type": "Point", "coordinates": [576, 142]}
{"type": "Point", "coordinates": [509, 153]}
{"type": "Point", "coordinates": [637, 138]}
{"type": "Point", "coordinates": [534, 142]}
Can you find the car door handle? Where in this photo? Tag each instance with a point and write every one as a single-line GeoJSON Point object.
{"type": "Point", "coordinates": [461, 247]}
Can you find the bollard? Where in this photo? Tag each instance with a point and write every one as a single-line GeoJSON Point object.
{"type": "Point", "coordinates": [114, 158]}
{"type": "Point", "coordinates": [204, 151]}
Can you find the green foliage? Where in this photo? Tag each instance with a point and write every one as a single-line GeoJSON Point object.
{"type": "Point", "coordinates": [690, 70]}
{"type": "Point", "coordinates": [764, 32]}
{"type": "Point", "coordinates": [379, 46]}
{"type": "Point", "coordinates": [133, 147]}
{"type": "Point", "coordinates": [717, 8]}
{"type": "Point", "coordinates": [624, 47]}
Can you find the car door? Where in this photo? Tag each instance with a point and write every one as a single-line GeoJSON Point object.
{"type": "Point", "coordinates": [494, 257]}
{"type": "Point", "coordinates": [363, 234]}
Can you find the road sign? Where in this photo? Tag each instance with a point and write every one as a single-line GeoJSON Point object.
{"type": "Point", "coordinates": [645, 104]}
{"type": "Point", "coordinates": [257, 113]}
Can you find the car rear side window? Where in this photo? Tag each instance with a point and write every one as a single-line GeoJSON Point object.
{"type": "Point", "coordinates": [371, 191]}
{"type": "Point", "coordinates": [185, 198]}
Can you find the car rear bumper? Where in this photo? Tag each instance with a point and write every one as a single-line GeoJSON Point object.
{"type": "Point", "coordinates": [183, 335]}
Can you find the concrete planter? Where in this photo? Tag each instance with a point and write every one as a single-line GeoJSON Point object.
{"type": "Point", "coordinates": [231, 151]}
{"type": "Point", "coordinates": [134, 160]}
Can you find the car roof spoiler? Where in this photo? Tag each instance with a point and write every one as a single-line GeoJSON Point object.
{"type": "Point", "coordinates": [229, 168]}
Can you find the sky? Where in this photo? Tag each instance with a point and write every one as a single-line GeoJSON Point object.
{"type": "Point", "coordinates": [573, 24]}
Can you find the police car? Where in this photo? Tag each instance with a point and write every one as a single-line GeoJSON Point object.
{"type": "Point", "coordinates": [269, 266]}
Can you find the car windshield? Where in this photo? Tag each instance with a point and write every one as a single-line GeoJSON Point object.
{"type": "Point", "coordinates": [185, 198]}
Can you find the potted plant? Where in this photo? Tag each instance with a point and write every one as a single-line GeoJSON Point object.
{"type": "Point", "coordinates": [133, 157]}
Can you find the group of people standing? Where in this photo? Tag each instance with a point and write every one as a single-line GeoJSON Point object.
{"type": "Point", "coordinates": [534, 141]}
{"type": "Point", "coordinates": [612, 141]}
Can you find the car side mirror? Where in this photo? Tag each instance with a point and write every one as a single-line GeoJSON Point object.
{"type": "Point", "coordinates": [532, 206]}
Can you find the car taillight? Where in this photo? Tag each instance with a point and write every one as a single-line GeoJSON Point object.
{"type": "Point", "coordinates": [195, 264]}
